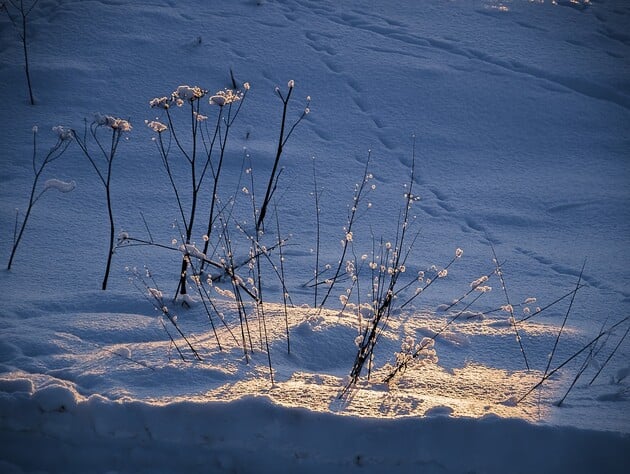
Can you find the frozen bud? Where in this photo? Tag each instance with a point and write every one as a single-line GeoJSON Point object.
{"type": "Point", "coordinates": [35, 129]}
{"type": "Point", "coordinates": [349, 236]}
{"type": "Point", "coordinates": [291, 84]}
{"type": "Point", "coordinates": [308, 98]}
{"type": "Point", "coordinates": [443, 273]}
{"type": "Point", "coordinates": [246, 86]}
{"type": "Point", "coordinates": [458, 253]}
{"type": "Point", "coordinates": [507, 308]}
{"type": "Point", "coordinates": [530, 300]}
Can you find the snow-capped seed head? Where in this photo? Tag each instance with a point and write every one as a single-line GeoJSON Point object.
{"type": "Point", "coordinates": [349, 237]}
{"type": "Point", "coordinates": [121, 125]}
{"type": "Point", "coordinates": [225, 97]}
{"type": "Point", "coordinates": [483, 288]}
{"type": "Point", "coordinates": [159, 102]}
{"type": "Point", "coordinates": [156, 126]}
{"type": "Point", "coordinates": [291, 84]}
{"type": "Point", "coordinates": [188, 93]}
{"type": "Point", "coordinates": [443, 273]}
{"type": "Point", "coordinates": [507, 308]}
{"type": "Point", "coordinates": [114, 123]}
{"type": "Point", "coordinates": [64, 133]}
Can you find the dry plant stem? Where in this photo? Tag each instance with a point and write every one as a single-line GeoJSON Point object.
{"type": "Point", "coordinates": [55, 152]}
{"type": "Point", "coordinates": [236, 286]}
{"type": "Point", "coordinates": [282, 140]}
{"type": "Point", "coordinates": [285, 291]}
{"type": "Point", "coordinates": [538, 311]}
{"type": "Point", "coordinates": [207, 300]}
{"type": "Point", "coordinates": [164, 154]}
{"type": "Point", "coordinates": [225, 269]}
{"type": "Point", "coordinates": [105, 178]}
{"type": "Point", "coordinates": [257, 277]}
{"type": "Point", "coordinates": [261, 315]}
{"type": "Point", "coordinates": [192, 159]}
{"type": "Point", "coordinates": [24, 13]}
{"type": "Point", "coordinates": [499, 273]}
{"type": "Point", "coordinates": [610, 356]}
{"type": "Point", "coordinates": [591, 354]}
{"type": "Point", "coordinates": [223, 140]}
{"type": "Point", "coordinates": [587, 346]}
{"type": "Point", "coordinates": [383, 306]}
{"type": "Point", "coordinates": [402, 366]}
{"type": "Point", "coordinates": [472, 290]}
{"type": "Point", "coordinates": [426, 286]}
{"type": "Point", "coordinates": [351, 219]}
{"type": "Point", "coordinates": [317, 230]}
{"type": "Point", "coordinates": [564, 321]}
{"type": "Point", "coordinates": [155, 298]}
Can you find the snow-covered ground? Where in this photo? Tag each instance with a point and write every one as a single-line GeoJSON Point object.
{"type": "Point", "coordinates": [520, 112]}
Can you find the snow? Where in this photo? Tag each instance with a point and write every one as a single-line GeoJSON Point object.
{"type": "Point", "coordinates": [517, 116]}
{"type": "Point", "coordinates": [59, 185]}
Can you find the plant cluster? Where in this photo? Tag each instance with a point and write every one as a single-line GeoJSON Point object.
{"type": "Point", "coordinates": [243, 244]}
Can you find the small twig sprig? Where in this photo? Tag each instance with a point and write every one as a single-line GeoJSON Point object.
{"type": "Point", "coordinates": [23, 12]}
{"type": "Point", "coordinates": [282, 141]}
{"type": "Point", "coordinates": [64, 137]}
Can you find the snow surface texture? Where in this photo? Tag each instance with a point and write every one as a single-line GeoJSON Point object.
{"type": "Point", "coordinates": [521, 112]}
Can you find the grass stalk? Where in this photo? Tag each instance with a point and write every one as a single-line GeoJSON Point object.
{"type": "Point", "coordinates": [509, 307]}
